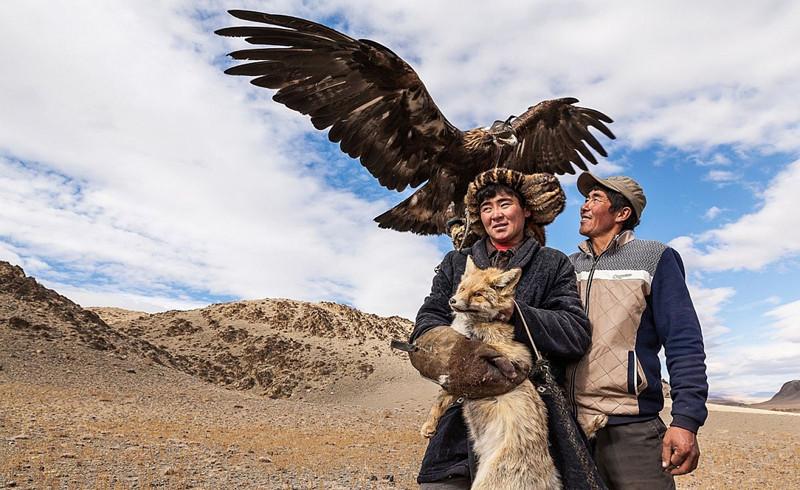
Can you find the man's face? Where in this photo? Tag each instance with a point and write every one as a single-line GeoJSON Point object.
{"type": "Point", "coordinates": [597, 219]}
{"type": "Point", "coordinates": [503, 219]}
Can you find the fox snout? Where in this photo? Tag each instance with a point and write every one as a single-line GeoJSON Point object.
{"type": "Point", "coordinates": [458, 305]}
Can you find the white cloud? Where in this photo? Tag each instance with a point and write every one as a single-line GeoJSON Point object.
{"type": "Point", "coordinates": [703, 84]}
{"type": "Point", "coordinates": [148, 167]}
{"type": "Point", "coordinates": [739, 371]}
{"type": "Point", "coordinates": [716, 159]}
{"type": "Point", "coordinates": [761, 361]}
{"type": "Point", "coordinates": [721, 176]}
{"type": "Point", "coordinates": [786, 322]}
{"type": "Point", "coordinates": [149, 303]}
{"type": "Point", "coordinates": [709, 303]}
{"type": "Point", "coordinates": [8, 253]}
{"type": "Point", "coordinates": [604, 168]}
{"type": "Point", "coordinates": [754, 240]}
{"type": "Point", "coordinates": [712, 213]}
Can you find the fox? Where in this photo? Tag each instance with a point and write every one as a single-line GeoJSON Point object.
{"type": "Point", "coordinates": [509, 432]}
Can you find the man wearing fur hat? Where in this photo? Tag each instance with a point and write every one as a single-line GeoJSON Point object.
{"type": "Point", "coordinates": [635, 296]}
{"type": "Point", "coordinates": [508, 211]}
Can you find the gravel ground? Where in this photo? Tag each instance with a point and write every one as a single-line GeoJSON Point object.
{"type": "Point", "coordinates": [86, 419]}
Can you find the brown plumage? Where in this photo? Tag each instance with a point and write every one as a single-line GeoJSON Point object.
{"type": "Point", "coordinates": [379, 111]}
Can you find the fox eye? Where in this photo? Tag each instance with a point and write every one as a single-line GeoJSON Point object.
{"type": "Point", "coordinates": [477, 295]}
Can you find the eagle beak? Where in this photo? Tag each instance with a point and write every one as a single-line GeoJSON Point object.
{"type": "Point", "coordinates": [508, 138]}
{"type": "Point", "coordinates": [503, 133]}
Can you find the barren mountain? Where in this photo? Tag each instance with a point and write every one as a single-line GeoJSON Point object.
{"type": "Point", "coordinates": [37, 313]}
{"type": "Point", "coordinates": [185, 399]}
{"type": "Point", "coordinates": [277, 347]}
{"type": "Point", "coordinates": [787, 398]}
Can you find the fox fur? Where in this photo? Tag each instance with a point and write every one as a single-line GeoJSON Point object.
{"type": "Point", "coordinates": [509, 432]}
{"type": "Point", "coordinates": [591, 424]}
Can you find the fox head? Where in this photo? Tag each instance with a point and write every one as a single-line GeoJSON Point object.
{"type": "Point", "coordinates": [483, 293]}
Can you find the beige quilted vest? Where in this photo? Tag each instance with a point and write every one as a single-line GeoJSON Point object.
{"type": "Point", "coordinates": [609, 378]}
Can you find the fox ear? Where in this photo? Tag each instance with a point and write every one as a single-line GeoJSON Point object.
{"type": "Point", "coordinates": [470, 266]}
{"type": "Point", "coordinates": [509, 278]}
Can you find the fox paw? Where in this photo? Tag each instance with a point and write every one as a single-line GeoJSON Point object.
{"type": "Point", "coordinates": [593, 425]}
{"type": "Point", "coordinates": [428, 430]}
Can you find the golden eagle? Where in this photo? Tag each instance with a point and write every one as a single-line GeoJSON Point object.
{"type": "Point", "coordinates": [379, 111]}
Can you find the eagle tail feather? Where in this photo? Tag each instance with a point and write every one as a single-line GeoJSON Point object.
{"type": "Point", "coordinates": [419, 213]}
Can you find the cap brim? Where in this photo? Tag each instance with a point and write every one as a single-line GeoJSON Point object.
{"type": "Point", "coordinates": [586, 182]}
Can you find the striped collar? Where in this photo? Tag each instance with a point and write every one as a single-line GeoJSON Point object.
{"type": "Point", "coordinates": [615, 243]}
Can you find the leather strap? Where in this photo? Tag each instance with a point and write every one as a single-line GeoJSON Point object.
{"type": "Point", "coordinates": [527, 330]}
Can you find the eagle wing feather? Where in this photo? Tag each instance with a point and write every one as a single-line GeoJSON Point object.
{"type": "Point", "coordinates": [375, 105]}
{"type": "Point", "coordinates": [553, 136]}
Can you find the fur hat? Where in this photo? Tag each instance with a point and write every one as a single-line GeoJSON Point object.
{"type": "Point", "coordinates": [543, 195]}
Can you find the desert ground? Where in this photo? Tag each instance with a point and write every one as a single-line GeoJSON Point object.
{"type": "Point", "coordinates": [260, 394]}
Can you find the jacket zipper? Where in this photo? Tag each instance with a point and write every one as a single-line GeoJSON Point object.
{"type": "Point", "coordinates": [596, 259]}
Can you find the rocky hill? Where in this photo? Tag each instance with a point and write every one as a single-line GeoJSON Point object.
{"type": "Point", "coordinates": [787, 398]}
{"type": "Point", "coordinates": [278, 347]}
{"type": "Point", "coordinates": [29, 311]}
{"type": "Point", "coordinates": [255, 394]}
{"type": "Point", "coordinates": [275, 347]}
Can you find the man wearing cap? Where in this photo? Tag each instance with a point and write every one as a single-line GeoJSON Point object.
{"type": "Point", "coordinates": [508, 210]}
{"type": "Point", "coordinates": [635, 296]}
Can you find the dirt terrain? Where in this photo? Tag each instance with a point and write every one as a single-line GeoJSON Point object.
{"type": "Point", "coordinates": [254, 394]}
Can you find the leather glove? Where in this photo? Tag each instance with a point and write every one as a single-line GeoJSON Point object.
{"type": "Point", "coordinates": [464, 367]}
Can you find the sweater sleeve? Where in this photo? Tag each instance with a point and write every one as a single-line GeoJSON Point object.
{"type": "Point", "coordinates": [558, 325]}
{"type": "Point", "coordinates": [679, 330]}
{"type": "Point", "coordinates": [435, 310]}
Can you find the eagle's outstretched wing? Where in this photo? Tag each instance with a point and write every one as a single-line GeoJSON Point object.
{"type": "Point", "coordinates": [552, 136]}
{"type": "Point", "coordinates": [373, 102]}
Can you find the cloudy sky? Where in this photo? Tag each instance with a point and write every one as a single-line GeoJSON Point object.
{"type": "Point", "coordinates": [134, 173]}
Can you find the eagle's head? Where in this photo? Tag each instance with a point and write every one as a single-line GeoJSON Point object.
{"type": "Point", "coordinates": [502, 132]}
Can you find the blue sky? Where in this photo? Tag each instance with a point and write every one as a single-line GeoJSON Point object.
{"type": "Point", "coordinates": [133, 173]}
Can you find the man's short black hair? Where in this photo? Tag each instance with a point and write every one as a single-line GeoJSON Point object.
{"type": "Point", "coordinates": [491, 190]}
{"type": "Point", "coordinates": [618, 201]}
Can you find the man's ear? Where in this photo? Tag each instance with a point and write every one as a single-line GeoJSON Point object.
{"type": "Point", "coordinates": [509, 278]}
{"type": "Point", "coordinates": [623, 215]}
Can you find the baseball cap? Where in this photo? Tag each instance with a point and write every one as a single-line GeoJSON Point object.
{"type": "Point", "coordinates": [620, 183]}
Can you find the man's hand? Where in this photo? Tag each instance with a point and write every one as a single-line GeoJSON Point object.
{"type": "Point", "coordinates": [680, 452]}
{"type": "Point", "coordinates": [463, 366]}
{"type": "Point", "coordinates": [478, 371]}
